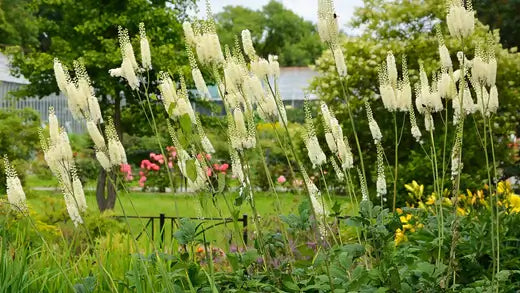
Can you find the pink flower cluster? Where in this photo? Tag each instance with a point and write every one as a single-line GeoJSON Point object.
{"type": "Point", "coordinates": [219, 168]}
{"type": "Point", "coordinates": [127, 170]}
{"type": "Point", "coordinates": [208, 157]}
{"type": "Point", "coordinates": [155, 162]}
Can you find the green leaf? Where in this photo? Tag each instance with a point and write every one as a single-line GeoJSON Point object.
{"type": "Point", "coordinates": [345, 260]}
{"type": "Point", "coordinates": [221, 182]}
{"type": "Point", "coordinates": [182, 140]}
{"type": "Point", "coordinates": [233, 261]}
{"type": "Point", "coordinates": [153, 97]}
{"type": "Point", "coordinates": [191, 169]}
{"type": "Point", "coordinates": [289, 285]}
{"type": "Point", "coordinates": [249, 257]}
{"type": "Point", "coordinates": [336, 208]}
{"type": "Point", "coordinates": [185, 122]}
{"type": "Point", "coordinates": [171, 108]}
{"type": "Point", "coordinates": [186, 233]}
{"type": "Point", "coordinates": [238, 200]}
{"type": "Point", "coordinates": [395, 280]}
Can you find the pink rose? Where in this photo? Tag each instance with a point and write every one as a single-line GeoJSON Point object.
{"type": "Point", "coordinates": [125, 168]}
{"type": "Point", "coordinates": [170, 164]}
{"type": "Point", "coordinates": [281, 179]}
{"type": "Point", "coordinates": [145, 164]}
{"type": "Point", "coordinates": [208, 156]}
{"type": "Point", "coordinates": [152, 155]}
{"type": "Point", "coordinates": [223, 167]}
{"type": "Point", "coordinates": [208, 171]}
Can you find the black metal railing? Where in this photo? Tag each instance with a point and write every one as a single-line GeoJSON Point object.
{"type": "Point", "coordinates": [174, 222]}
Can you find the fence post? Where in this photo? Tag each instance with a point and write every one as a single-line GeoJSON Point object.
{"type": "Point", "coordinates": [153, 228]}
{"type": "Point", "coordinates": [161, 228]}
{"type": "Point", "coordinates": [244, 225]}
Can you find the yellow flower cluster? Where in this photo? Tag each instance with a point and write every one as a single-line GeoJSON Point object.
{"type": "Point", "coordinates": [466, 202]}
{"type": "Point", "coordinates": [510, 201]}
{"type": "Point", "coordinates": [409, 223]}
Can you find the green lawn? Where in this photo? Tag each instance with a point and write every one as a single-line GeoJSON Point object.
{"type": "Point", "coordinates": [188, 205]}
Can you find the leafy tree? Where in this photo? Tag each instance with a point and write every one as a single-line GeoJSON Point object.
{"type": "Point", "coordinates": [408, 29]}
{"type": "Point", "coordinates": [18, 137]}
{"type": "Point", "coordinates": [12, 30]}
{"type": "Point", "coordinates": [503, 15]}
{"type": "Point", "coordinates": [274, 30]}
{"type": "Point", "coordinates": [87, 29]}
{"type": "Point", "coordinates": [233, 19]}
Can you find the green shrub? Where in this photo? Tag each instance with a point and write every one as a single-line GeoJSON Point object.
{"type": "Point", "coordinates": [18, 138]}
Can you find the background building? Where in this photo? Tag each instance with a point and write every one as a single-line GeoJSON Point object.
{"type": "Point", "coordinates": [10, 83]}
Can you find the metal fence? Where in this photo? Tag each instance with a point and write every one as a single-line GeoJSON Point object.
{"type": "Point", "coordinates": [59, 102]}
{"type": "Point", "coordinates": [174, 222]}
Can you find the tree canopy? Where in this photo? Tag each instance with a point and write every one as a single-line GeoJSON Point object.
{"type": "Point", "coordinates": [88, 30]}
{"type": "Point", "coordinates": [407, 28]}
{"type": "Point", "coordinates": [274, 30]}
{"type": "Point", "coordinates": [503, 15]}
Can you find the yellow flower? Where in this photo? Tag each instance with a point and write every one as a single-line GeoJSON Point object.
{"type": "Point", "coordinates": [501, 187]}
{"type": "Point", "coordinates": [473, 200]}
{"type": "Point", "coordinates": [514, 200]}
{"type": "Point", "coordinates": [504, 187]}
{"type": "Point", "coordinates": [446, 201]}
{"type": "Point", "coordinates": [405, 219]}
{"type": "Point", "coordinates": [399, 236]}
{"type": "Point", "coordinates": [431, 200]}
{"type": "Point", "coordinates": [461, 211]}
{"type": "Point", "coordinates": [415, 190]}
{"type": "Point", "coordinates": [399, 211]}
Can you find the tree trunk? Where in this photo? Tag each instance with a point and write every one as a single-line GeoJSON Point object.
{"type": "Point", "coordinates": [105, 186]}
{"type": "Point", "coordinates": [100, 190]}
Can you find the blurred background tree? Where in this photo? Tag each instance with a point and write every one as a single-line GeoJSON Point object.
{"type": "Point", "coordinates": [18, 139]}
{"type": "Point", "coordinates": [17, 24]}
{"type": "Point", "coordinates": [503, 15]}
{"type": "Point", "coordinates": [274, 30]}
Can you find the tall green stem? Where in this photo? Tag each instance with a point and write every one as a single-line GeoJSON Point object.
{"type": "Point", "coordinates": [495, 177]}
{"type": "Point", "coordinates": [492, 203]}
{"type": "Point", "coordinates": [440, 220]}
{"type": "Point", "coordinates": [396, 162]}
